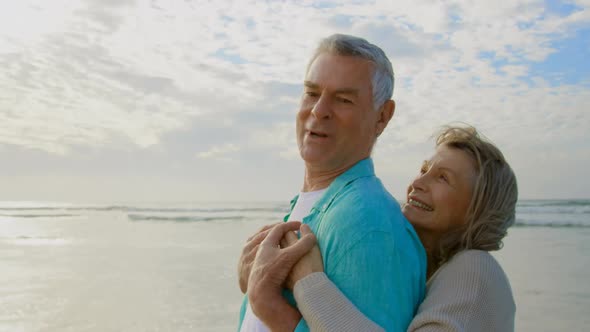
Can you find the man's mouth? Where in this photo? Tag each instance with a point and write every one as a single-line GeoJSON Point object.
{"type": "Point", "coordinates": [420, 205]}
{"type": "Point", "coordinates": [317, 134]}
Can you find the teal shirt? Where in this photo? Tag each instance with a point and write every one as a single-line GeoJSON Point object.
{"type": "Point", "coordinates": [370, 251]}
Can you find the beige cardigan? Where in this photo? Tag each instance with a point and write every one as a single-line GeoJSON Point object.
{"type": "Point", "coordinates": [469, 293]}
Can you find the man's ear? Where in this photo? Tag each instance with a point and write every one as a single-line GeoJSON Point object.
{"type": "Point", "coordinates": [385, 114]}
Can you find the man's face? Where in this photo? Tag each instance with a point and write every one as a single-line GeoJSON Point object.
{"type": "Point", "coordinates": [336, 122]}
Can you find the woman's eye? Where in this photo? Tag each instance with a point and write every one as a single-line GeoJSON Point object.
{"type": "Point", "coordinates": [424, 168]}
{"type": "Point", "coordinates": [444, 178]}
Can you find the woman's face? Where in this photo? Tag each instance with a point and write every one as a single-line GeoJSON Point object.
{"type": "Point", "coordinates": [440, 195]}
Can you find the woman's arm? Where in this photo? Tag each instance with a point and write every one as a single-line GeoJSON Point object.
{"type": "Point", "coordinates": [469, 293]}
{"type": "Point", "coordinates": [325, 308]}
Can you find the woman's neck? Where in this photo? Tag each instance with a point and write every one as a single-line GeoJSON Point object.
{"type": "Point", "coordinates": [430, 243]}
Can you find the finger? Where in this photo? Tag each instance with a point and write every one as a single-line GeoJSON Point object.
{"type": "Point", "coordinates": [284, 243]}
{"type": "Point", "coordinates": [302, 247]}
{"type": "Point", "coordinates": [289, 239]}
{"type": "Point", "coordinates": [256, 240]}
{"type": "Point", "coordinates": [278, 232]}
{"type": "Point", "coordinates": [251, 255]}
{"type": "Point", "coordinates": [263, 229]}
{"type": "Point", "coordinates": [305, 229]}
{"type": "Point", "coordinates": [269, 226]}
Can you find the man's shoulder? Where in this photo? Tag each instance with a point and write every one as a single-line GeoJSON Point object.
{"type": "Point", "coordinates": [364, 205]}
{"type": "Point", "coordinates": [366, 195]}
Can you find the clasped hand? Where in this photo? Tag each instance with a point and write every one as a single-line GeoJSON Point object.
{"type": "Point", "coordinates": [283, 256]}
{"type": "Point", "coordinates": [275, 258]}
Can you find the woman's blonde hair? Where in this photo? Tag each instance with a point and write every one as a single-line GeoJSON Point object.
{"type": "Point", "coordinates": [493, 203]}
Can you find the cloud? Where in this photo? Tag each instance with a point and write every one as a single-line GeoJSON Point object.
{"type": "Point", "coordinates": [219, 152]}
{"type": "Point", "coordinates": [222, 79]}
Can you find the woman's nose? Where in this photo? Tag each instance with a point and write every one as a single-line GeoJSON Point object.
{"type": "Point", "coordinates": [420, 183]}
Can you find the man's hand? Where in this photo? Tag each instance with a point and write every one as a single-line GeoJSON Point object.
{"type": "Point", "coordinates": [269, 273]}
{"type": "Point", "coordinates": [249, 253]}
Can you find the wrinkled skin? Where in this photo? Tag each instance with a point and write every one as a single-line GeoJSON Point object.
{"type": "Point", "coordinates": [269, 272]}
{"type": "Point", "coordinates": [249, 253]}
{"type": "Point", "coordinates": [310, 263]}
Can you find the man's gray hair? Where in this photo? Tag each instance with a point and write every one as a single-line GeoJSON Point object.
{"type": "Point", "coordinates": [346, 45]}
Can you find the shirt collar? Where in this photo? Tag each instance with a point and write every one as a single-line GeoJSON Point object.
{"type": "Point", "coordinates": [361, 169]}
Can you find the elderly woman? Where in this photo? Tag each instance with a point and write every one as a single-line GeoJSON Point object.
{"type": "Point", "coordinates": [460, 204]}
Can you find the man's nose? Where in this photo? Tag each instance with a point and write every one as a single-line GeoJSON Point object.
{"type": "Point", "coordinates": [322, 109]}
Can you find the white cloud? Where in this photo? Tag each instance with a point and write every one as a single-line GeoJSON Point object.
{"type": "Point", "coordinates": [132, 74]}
{"type": "Point", "coordinates": [279, 139]}
{"type": "Point", "coordinates": [219, 152]}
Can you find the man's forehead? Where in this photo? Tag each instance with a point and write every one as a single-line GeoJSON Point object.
{"type": "Point", "coordinates": [345, 90]}
{"type": "Point", "coordinates": [346, 74]}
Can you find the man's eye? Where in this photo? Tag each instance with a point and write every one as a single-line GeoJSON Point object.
{"type": "Point", "coordinates": [312, 94]}
{"type": "Point", "coordinates": [344, 100]}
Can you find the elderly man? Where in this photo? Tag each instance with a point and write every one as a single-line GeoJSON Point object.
{"type": "Point", "coordinates": [369, 249]}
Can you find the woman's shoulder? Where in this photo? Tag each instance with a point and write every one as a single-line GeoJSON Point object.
{"type": "Point", "coordinates": [472, 255]}
{"type": "Point", "coordinates": [469, 257]}
{"type": "Point", "coordinates": [469, 293]}
{"type": "Point", "coordinates": [473, 272]}
{"type": "Point", "coordinates": [475, 264]}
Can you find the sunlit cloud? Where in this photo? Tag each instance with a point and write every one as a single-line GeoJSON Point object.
{"type": "Point", "coordinates": [220, 81]}
{"type": "Point", "coordinates": [218, 152]}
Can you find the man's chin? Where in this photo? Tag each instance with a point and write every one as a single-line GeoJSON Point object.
{"type": "Point", "coordinates": [315, 157]}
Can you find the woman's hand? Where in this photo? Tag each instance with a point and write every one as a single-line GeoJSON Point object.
{"type": "Point", "coordinates": [308, 264]}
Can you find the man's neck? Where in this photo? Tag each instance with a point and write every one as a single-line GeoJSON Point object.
{"type": "Point", "coordinates": [314, 183]}
{"type": "Point", "coordinates": [317, 178]}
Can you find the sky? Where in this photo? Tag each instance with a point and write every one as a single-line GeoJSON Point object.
{"type": "Point", "coordinates": [121, 100]}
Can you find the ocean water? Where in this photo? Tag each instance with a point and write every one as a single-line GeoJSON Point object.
{"type": "Point", "coordinates": [172, 267]}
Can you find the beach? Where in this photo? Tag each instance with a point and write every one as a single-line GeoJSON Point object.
{"type": "Point", "coordinates": [172, 267]}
